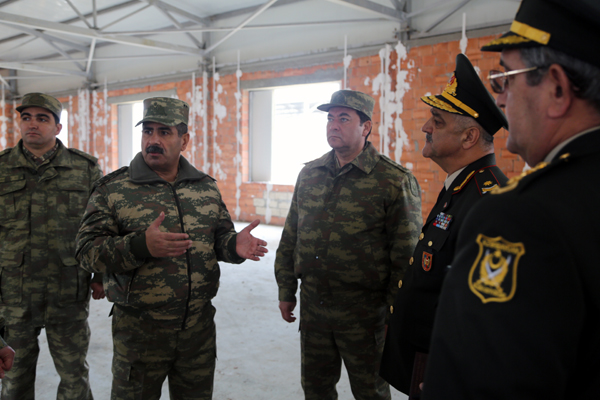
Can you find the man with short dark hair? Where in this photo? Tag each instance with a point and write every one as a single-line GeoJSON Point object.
{"type": "Point", "coordinates": [44, 188]}
{"type": "Point", "coordinates": [352, 225]}
{"type": "Point", "coordinates": [156, 229]}
{"type": "Point", "coordinates": [459, 138]}
{"type": "Point", "coordinates": [519, 314]}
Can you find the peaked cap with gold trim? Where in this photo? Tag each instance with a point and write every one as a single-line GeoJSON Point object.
{"type": "Point", "coordinates": [465, 95]}
{"type": "Point", "coordinates": [570, 26]}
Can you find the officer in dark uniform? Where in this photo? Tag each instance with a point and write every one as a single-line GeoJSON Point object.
{"type": "Point", "coordinates": [519, 313]}
{"type": "Point", "coordinates": [459, 139]}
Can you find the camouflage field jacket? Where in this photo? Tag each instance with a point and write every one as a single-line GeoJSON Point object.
{"type": "Point", "coordinates": [350, 232]}
{"type": "Point", "coordinates": [170, 291]}
{"type": "Point", "coordinates": [40, 210]}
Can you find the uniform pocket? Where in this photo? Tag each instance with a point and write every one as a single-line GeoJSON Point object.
{"type": "Point", "coordinates": [11, 278]}
{"type": "Point", "coordinates": [75, 195]}
{"type": "Point", "coordinates": [8, 186]}
{"type": "Point", "coordinates": [74, 282]}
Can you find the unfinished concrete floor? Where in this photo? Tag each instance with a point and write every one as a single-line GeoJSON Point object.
{"type": "Point", "coordinates": [258, 352]}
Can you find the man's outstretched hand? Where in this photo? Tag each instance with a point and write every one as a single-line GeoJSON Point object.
{"type": "Point", "coordinates": [249, 247]}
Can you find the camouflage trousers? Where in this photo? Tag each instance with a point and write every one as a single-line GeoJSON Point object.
{"type": "Point", "coordinates": [68, 344]}
{"type": "Point", "coordinates": [145, 354]}
{"type": "Point", "coordinates": [352, 334]}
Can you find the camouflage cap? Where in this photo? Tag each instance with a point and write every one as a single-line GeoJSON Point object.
{"type": "Point", "coordinates": [41, 100]}
{"type": "Point", "coordinates": [165, 110]}
{"type": "Point", "coordinates": [352, 99]}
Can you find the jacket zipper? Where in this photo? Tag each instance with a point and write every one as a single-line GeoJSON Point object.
{"type": "Point", "coordinates": [187, 257]}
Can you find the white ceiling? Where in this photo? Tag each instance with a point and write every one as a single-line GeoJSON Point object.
{"type": "Point", "coordinates": [58, 46]}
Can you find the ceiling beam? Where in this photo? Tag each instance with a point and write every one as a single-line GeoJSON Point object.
{"type": "Point", "coordinates": [397, 4]}
{"type": "Point", "coordinates": [37, 68]}
{"type": "Point", "coordinates": [183, 13]}
{"type": "Point", "coordinates": [81, 17]}
{"type": "Point", "coordinates": [367, 5]}
{"type": "Point", "coordinates": [248, 10]}
{"type": "Point", "coordinates": [250, 27]}
{"type": "Point", "coordinates": [90, 57]}
{"type": "Point", "coordinates": [50, 40]}
{"type": "Point", "coordinates": [43, 35]}
{"type": "Point", "coordinates": [125, 16]}
{"type": "Point", "coordinates": [95, 14]}
{"type": "Point", "coordinates": [240, 26]}
{"type": "Point", "coordinates": [13, 19]}
{"type": "Point", "coordinates": [70, 20]}
{"type": "Point", "coordinates": [445, 16]}
{"type": "Point", "coordinates": [179, 26]}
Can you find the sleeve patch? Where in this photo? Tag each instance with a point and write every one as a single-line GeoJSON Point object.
{"type": "Point", "coordinates": [493, 276]}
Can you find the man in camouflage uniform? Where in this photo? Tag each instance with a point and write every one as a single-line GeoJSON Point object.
{"type": "Point", "coordinates": [44, 188]}
{"type": "Point", "coordinates": [352, 226]}
{"type": "Point", "coordinates": [156, 230]}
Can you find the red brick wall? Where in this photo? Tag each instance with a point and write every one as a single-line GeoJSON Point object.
{"type": "Point", "coordinates": [429, 68]}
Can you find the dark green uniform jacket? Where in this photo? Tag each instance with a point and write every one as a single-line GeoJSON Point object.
{"type": "Point", "coordinates": [349, 232]}
{"type": "Point", "coordinates": [170, 290]}
{"type": "Point", "coordinates": [40, 211]}
{"type": "Point", "coordinates": [519, 314]}
{"type": "Point", "coordinates": [411, 323]}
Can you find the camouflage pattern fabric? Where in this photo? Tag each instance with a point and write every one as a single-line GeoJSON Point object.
{"type": "Point", "coordinates": [171, 294]}
{"type": "Point", "coordinates": [352, 333]}
{"type": "Point", "coordinates": [348, 236]}
{"type": "Point", "coordinates": [41, 100]}
{"type": "Point", "coordinates": [171, 291]}
{"type": "Point", "coordinates": [68, 344]}
{"type": "Point", "coordinates": [40, 209]}
{"type": "Point", "coordinates": [165, 110]}
{"type": "Point", "coordinates": [145, 354]}
{"type": "Point", "coordinates": [352, 99]}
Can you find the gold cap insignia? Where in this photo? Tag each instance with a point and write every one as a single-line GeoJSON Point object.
{"type": "Point", "coordinates": [493, 276]}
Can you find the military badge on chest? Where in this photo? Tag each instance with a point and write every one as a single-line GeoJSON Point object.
{"type": "Point", "coordinates": [442, 220]}
{"type": "Point", "coordinates": [493, 276]}
{"type": "Point", "coordinates": [426, 261]}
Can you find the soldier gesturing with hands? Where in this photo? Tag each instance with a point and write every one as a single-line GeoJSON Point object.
{"type": "Point", "coordinates": [157, 228]}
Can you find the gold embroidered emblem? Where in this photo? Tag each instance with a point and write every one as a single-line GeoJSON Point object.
{"type": "Point", "coordinates": [487, 183]}
{"type": "Point", "coordinates": [451, 86]}
{"type": "Point", "coordinates": [437, 103]}
{"type": "Point", "coordinates": [513, 39]}
{"type": "Point", "coordinates": [488, 189]}
{"type": "Point", "coordinates": [493, 276]}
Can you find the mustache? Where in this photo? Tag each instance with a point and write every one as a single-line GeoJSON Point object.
{"type": "Point", "coordinates": [154, 149]}
{"type": "Point", "coordinates": [428, 137]}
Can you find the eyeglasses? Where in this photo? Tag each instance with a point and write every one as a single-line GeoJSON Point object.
{"type": "Point", "coordinates": [499, 79]}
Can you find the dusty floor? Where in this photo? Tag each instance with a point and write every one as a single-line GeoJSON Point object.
{"type": "Point", "coordinates": [258, 352]}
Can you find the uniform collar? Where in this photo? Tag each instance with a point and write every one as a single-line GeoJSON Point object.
{"type": "Point", "coordinates": [18, 159]}
{"type": "Point", "coordinates": [140, 172]}
{"type": "Point", "coordinates": [467, 173]}
{"type": "Point", "coordinates": [365, 161]}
